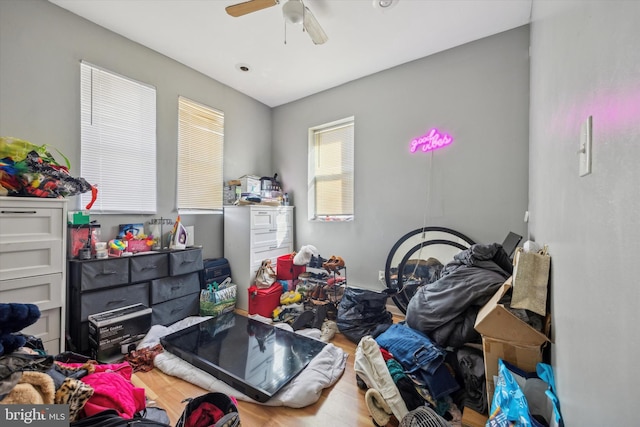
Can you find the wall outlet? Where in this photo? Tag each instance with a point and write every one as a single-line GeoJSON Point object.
{"type": "Point", "coordinates": [381, 276]}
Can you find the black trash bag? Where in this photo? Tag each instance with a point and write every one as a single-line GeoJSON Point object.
{"type": "Point", "coordinates": [219, 408]}
{"type": "Point", "coordinates": [360, 311]}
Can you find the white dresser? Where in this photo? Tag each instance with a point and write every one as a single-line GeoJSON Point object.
{"type": "Point", "coordinates": [32, 262]}
{"type": "Point", "coordinates": [252, 234]}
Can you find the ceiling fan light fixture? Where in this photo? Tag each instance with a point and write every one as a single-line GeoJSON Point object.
{"type": "Point", "coordinates": [293, 11]}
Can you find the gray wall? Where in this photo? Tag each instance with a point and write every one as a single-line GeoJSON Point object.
{"type": "Point", "coordinates": [585, 61]}
{"type": "Point", "coordinates": [478, 93]}
{"type": "Point", "coordinates": [41, 46]}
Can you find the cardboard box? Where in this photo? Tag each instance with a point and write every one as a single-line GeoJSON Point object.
{"type": "Point", "coordinates": [525, 357]}
{"type": "Point", "coordinates": [506, 337]}
{"type": "Point", "coordinates": [496, 321]}
{"type": "Point", "coordinates": [109, 329]}
{"type": "Point", "coordinates": [250, 184]}
{"type": "Point", "coordinates": [471, 418]}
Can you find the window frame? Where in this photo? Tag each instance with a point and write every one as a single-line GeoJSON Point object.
{"type": "Point", "coordinates": [118, 141]}
{"type": "Point", "coordinates": [207, 175]}
{"type": "Point", "coordinates": [345, 169]}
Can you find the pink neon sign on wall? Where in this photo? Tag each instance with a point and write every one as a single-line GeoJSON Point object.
{"type": "Point", "coordinates": [431, 141]}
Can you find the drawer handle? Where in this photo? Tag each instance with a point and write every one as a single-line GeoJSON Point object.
{"type": "Point", "coordinates": [189, 261]}
{"type": "Point", "coordinates": [19, 212]}
{"type": "Point", "coordinates": [273, 229]}
{"type": "Point", "coordinates": [149, 267]}
{"type": "Point", "coordinates": [174, 287]}
{"type": "Point", "coordinates": [273, 247]}
{"type": "Point", "coordinates": [107, 273]}
{"type": "Point", "coordinates": [176, 310]}
{"type": "Point", "coordinates": [116, 301]}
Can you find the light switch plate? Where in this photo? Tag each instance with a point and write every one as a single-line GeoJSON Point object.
{"type": "Point", "coordinates": [586, 136]}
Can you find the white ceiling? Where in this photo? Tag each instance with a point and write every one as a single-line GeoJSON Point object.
{"type": "Point", "coordinates": [363, 39]}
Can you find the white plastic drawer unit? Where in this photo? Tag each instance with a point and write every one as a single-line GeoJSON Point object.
{"type": "Point", "coordinates": [32, 263]}
{"type": "Point", "coordinates": [283, 218]}
{"type": "Point", "coordinates": [271, 227]}
{"type": "Point", "coordinates": [47, 328]}
{"type": "Point", "coordinates": [262, 218]}
{"type": "Point", "coordinates": [270, 218]}
{"type": "Point", "coordinates": [251, 235]}
{"type": "Point", "coordinates": [274, 238]}
{"type": "Point", "coordinates": [30, 240]}
{"type": "Point", "coordinates": [44, 291]}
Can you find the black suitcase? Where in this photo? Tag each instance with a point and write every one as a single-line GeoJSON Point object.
{"type": "Point", "coordinates": [215, 270]}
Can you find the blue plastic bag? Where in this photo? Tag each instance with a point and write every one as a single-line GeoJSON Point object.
{"type": "Point", "coordinates": [521, 399]}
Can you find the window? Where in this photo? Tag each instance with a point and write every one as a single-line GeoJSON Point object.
{"type": "Point", "coordinates": [331, 171]}
{"type": "Point", "coordinates": [200, 155]}
{"type": "Point", "coordinates": [118, 141]}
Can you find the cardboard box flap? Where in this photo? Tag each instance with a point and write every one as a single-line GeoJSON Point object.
{"type": "Point", "coordinates": [496, 321]}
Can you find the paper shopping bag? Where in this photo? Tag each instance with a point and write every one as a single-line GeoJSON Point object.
{"type": "Point", "coordinates": [530, 280]}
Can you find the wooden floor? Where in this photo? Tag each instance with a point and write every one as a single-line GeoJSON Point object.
{"type": "Point", "coordinates": [340, 405]}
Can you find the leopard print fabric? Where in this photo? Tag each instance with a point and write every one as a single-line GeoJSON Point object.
{"type": "Point", "coordinates": [75, 393]}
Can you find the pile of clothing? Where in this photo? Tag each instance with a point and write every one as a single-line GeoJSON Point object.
{"type": "Point", "coordinates": [30, 170]}
{"type": "Point", "coordinates": [28, 375]}
{"type": "Point", "coordinates": [446, 309]}
{"type": "Point", "coordinates": [434, 359]}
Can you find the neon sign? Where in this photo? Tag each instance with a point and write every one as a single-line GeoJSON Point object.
{"type": "Point", "coordinates": [431, 141]}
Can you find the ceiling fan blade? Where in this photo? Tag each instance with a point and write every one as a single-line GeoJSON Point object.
{"type": "Point", "coordinates": [311, 26]}
{"type": "Point", "coordinates": [249, 6]}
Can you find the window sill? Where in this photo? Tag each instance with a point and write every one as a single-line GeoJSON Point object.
{"type": "Point", "coordinates": [200, 212]}
{"type": "Point", "coordinates": [346, 218]}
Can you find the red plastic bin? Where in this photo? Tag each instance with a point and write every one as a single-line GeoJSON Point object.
{"type": "Point", "coordinates": [263, 301]}
{"type": "Point", "coordinates": [286, 270]}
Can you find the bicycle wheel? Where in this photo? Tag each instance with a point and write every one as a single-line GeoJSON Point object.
{"type": "Point", "coordinates": [417, 258]}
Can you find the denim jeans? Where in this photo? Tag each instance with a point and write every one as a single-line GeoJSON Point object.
{"type": "Point", "coordinates": [419, 357]}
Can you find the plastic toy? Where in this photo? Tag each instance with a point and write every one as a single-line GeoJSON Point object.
{"type": "Point", "coordinates": [290, 297]}
{"type": "Point", "coordinates": [117, 244]}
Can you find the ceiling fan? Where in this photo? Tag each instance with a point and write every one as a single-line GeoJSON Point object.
{"type": "Point", "coordinates": [294, 12]}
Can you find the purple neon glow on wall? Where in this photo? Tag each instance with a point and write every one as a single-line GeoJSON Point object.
{"type": "Point", "coordinates": [431, 141]}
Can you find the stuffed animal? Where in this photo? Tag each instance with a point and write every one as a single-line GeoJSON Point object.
{"type": "Point", "coordinates": [304, 256]}
{"type": "Point", "coordinates": [14, 317]}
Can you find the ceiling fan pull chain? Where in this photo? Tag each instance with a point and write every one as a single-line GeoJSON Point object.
{"type": "Point", "coordinates": [285, 32]}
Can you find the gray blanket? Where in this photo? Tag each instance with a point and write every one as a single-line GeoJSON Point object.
{"type": "Point", "coordinates": [469, 281]}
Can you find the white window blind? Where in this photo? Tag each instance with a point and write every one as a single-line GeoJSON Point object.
{"type": "Point", "coordinates": [118, 141]}
{"type": "Point", "coordinates": [331, 161]}
{"type": "Point", "coordinates": [200, 157]}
